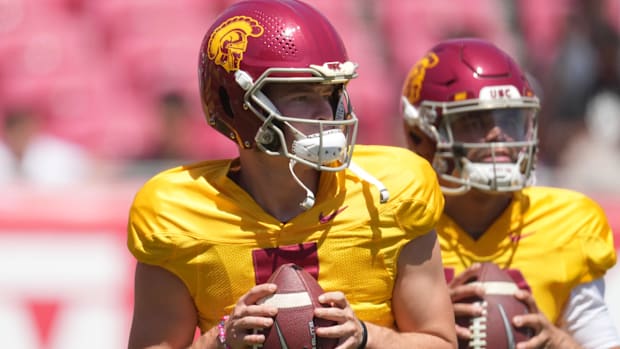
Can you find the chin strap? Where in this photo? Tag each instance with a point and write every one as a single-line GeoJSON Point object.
{"type": "Point", "coordinates": [384, 194]}
{"type": "Point", "coordinates": [309, 201]}
{"type": "Point", "coordinates": [323, 149]}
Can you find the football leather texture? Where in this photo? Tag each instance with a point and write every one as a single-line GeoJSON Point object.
{"type": "Point", "coordinates": [494, 329]}
{"type": "Point", "coordinates": [296, 298]}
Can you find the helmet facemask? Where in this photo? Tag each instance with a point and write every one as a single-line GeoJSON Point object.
{"type": "Point", "coordinates": [488, 149]}
{"type": "Point", "coordinates": [325, 145]}
{"type": "Point", "coordinates": [480, 145]}
{"type": "Point", "coordinates": [491, 150]}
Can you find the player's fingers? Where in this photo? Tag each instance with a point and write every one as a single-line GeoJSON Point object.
{"type": "Point", "coordinates": [257, 293]}
{"type": "Point", "coordinates": [465, 275]}
{"type": "Point", "coordinates": [340, 311]}
{"type": "Point", "coordinates": [255, 339]}
{"type": "Point", "coordinates": [462, 332]}
{"type": "Point", "coordinates": [333, 313]}
{"type": "Point", "coordinates": [238, 335]}
{"type": "Point", "coordinates": [528, 299]}
{"type": "Point", "coordinates": [348, 343]}
{"type": "Point", "coordinates": [334, 299]}
{"type": "Point", "coordinates": [539, 341]}
{"type": "Point", "coordinates": [252, 322]}
{"type": "Point", "coordinates": [335, 331]}
{"type": "Point", "coordinates": [534, 321]}
{"type": "Point", "coordinates": [349, 332]}
{"type": "Point", "coordinates": [246, 305]}
{"type": "Point", "coordinates": [460, 292]}
{"type": "Point", "coordinates": [468, 310]}
{"type": "Point", "coordinates": [260, 310]}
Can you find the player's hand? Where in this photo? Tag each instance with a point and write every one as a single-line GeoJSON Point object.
{"type": "Point", "coordinates": [247, 317]}
{"type": "Point", "coordinates": [547, 335]}
{"type": "Point", "coordinates": [348, 329]}
{"type": "Point", "coordinates": [460, 290]}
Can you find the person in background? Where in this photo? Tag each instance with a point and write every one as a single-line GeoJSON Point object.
{"type": "Point", "coordinates": [273, 79]}
{"type": "Point", "coordinates": [30, 155]}
{"type": "Point", "coordinates": [173, 116]}
{"type": "Point", "coordinates": [470, 111]}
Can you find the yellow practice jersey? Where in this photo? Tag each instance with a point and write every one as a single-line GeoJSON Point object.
{"type": "Point", "coordinates": [551, 239]}
{"type": "Point", "coordinates": [197, 223]}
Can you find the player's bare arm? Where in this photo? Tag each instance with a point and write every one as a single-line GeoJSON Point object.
{"type": "Point", "coordinates": [164, 313]}
{"type": "Point", "coordinates": [419, 266]}
{"type": "Point", "coordinates": [429, 314]}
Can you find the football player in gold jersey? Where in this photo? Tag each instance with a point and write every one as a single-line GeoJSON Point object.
{"type": "Point", "coordinates": [469, 110]}
{"type": "Point", "coordinates": [207, 236]}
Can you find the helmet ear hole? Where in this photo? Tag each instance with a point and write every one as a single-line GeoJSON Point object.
{"type": "Point", "coordinates": [268, 138]}
{"type": "Point", "coordinates": [415, 137]}
{"type": "Point", "coordinates": [420, 143]}
{"type": "Point", "coordinates": [225, 101]}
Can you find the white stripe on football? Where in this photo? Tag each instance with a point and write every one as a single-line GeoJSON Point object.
{"type": "Point", "coordinates": [287, 300]}
{"type": "Point", "coordinates": [498, 288]}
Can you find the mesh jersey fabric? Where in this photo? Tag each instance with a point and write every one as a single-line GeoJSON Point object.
{"type": "Point", "coordinates": [197, 223]}
{"type": "Point", "coordinates": [556, 238]}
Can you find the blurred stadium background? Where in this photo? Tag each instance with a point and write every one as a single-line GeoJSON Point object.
{"type": "Point", "coordinates": [117, 78]}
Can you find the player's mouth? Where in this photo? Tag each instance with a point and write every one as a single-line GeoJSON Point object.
{"type": "Point", "coordinates": [497, 156]}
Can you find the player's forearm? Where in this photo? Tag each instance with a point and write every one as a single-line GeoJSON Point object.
{"type": "Point", "coordinates": [382, 337]}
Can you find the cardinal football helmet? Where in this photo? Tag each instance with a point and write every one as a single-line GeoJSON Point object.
{"type": "Point", "coordinates": [476, 106]}
{"type": "Point", "coordinates": [255, 43]}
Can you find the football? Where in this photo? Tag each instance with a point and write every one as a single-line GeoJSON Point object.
{"type": "Point", "coordinates": [494, 329]}
{"type": "Point", "coordinates": [296, 298]}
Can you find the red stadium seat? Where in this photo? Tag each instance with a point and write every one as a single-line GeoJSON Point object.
{"type": "Point", "coordinates": [412, 27]}
{"type": "Point", "coordinates": [543, 24]}
{"type": "Point", "coordinates": [121, 19]}
{"type": "Point", "coordinates": [155, 43]}
{"type": "Point", "coordinates": [49, 45]}
{"type": "Point", "coordinates": [612, 11]}
{"type": "Point", "coordinates": [374, 92]}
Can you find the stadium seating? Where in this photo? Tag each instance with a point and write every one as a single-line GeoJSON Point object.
{"type": "Point", "coordinates": [66, 54]}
